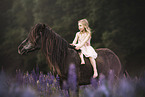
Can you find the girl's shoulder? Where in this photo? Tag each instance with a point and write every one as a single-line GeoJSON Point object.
{"type": "Point", "coordinates": [78, 33]}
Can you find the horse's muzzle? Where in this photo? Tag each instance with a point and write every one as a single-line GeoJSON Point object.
{"type": "Point", "coordinates": [21, 49]}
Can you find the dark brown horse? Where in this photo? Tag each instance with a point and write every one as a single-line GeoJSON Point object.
{"type": "Point", "coordinates": [61, 55]}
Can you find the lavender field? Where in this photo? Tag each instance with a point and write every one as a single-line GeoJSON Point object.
{"type": "Point", "coordinates": [37, 84]}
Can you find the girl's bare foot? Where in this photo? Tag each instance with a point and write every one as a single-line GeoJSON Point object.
{"type": "Point", "coordinates": [95, 75]}
{"type": "Point", "coordinates": [82, 62]}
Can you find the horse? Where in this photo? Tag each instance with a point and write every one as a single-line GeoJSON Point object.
{"type": "Point", "coordinates": [61, 55]}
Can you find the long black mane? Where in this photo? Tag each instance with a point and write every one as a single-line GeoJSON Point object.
{"type": "Point", "coordinates": [53, 45]}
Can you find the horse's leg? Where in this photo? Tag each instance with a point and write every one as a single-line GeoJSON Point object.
{"type": "Point", "coordinates": [74, 93]}
{"type": "Point", "coordinates": [68, 91]}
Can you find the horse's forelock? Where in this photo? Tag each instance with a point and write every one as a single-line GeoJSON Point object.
{"type": "Point", "coordinates": [35, 31]}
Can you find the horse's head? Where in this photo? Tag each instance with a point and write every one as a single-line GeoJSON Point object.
{"type": "Point", "coordinates": [33, 41]}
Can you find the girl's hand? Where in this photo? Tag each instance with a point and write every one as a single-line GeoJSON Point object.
{"type": "Point", "coordinates": [77, 48]}
{"type": "Point", "coordinates": [72, 44]}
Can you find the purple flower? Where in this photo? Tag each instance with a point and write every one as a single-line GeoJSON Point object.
{"type": "Point", "coordinates": [102, 79]}
{"type": "Point", "coordinates": [72, 77]}
{"type": "Point", "coordinates": [37, 71]}
{"type": "Point", "coordinates": [57, 81]}
{"type": "Point", "coordinates": [126, 88]}
{"type": "Point", "coordinates": [34, 75]}
{"type": "Point", "coordinates": [26, 78]}
{"type": "Point", "coordinates": [19, 76]}
{"type": "Point", "coordinates": [111, 79]}
{"type": "Point", "coordinates": [41, 78]}
{"type": "Point", "coordinates": [94, 83]}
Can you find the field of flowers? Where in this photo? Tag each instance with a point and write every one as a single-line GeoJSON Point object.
{"type": "Point", "coordinates": [37, 84]}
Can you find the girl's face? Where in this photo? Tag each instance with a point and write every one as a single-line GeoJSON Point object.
{"type": "Point", "coordinates": [81, 27]}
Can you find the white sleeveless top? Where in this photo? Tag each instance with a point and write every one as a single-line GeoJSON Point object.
{"type": "Point", "coordinates": [83, 40]}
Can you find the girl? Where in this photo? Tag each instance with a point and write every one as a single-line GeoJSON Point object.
{"type": "Point", "coordinates": [82, 41]}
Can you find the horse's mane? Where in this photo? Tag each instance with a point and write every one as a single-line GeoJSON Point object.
{"type": "Point", "coordinates": [53, 45]}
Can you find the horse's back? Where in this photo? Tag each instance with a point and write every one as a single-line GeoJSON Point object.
{"type": "Point", "coordinates": [107, 60]}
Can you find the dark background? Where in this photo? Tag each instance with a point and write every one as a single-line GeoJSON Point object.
{"type": "Point", "coordinates": [116, 24]}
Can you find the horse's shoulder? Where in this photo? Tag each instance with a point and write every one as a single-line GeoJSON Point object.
{"type": "Point", "coordinates": [72, 51]}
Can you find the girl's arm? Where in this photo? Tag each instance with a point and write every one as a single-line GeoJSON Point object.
{"type": "Point", "coordinates": [75, 39]}
{"type": "Point", "coordinates": [85, 40]}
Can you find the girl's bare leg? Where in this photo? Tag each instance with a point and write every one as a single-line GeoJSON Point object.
{"type": "Point", "coordinates": [93, 62]}
{"type": "Point", "coordinates": [82, 58]}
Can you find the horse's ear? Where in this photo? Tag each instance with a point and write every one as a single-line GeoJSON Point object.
{"type": "Point", "coordinates": [43, 26]}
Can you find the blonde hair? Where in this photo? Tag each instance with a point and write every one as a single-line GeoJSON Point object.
{"type": "Point", "coordinates": [85, 23]}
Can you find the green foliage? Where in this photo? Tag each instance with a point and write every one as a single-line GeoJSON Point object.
{"type": "Point", "coordinates": [116, 24]}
